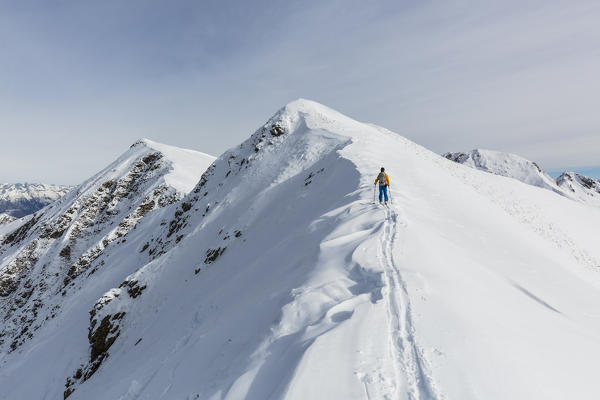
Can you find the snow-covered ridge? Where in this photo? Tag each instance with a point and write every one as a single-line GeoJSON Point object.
{"type": "Point", "coordinates": [569, 184]}
{"type": "Point", "coordinates": [277, 277]}
{"type": "Point", "coordinates": [20, 199]}
{"type": "Point", "coordinates": [61, 245]}
{"type": "Point", "coordinates": [505, 164]}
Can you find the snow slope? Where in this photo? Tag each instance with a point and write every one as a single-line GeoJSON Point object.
{"type": "Point", "coordinates": [21, 199]}
{"type": "Point", "coordinates": [277, 277]}
{"type": "Point", "coordinates": [569, 184]}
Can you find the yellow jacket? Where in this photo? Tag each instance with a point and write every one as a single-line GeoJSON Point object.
{"type": "Point", "coordinates": [387, 179]}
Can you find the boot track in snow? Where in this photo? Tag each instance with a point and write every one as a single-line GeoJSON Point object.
{"type": "Point", "coordinates": [408, 356]}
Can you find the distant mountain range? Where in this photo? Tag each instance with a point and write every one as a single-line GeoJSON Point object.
{"type": "Point", "coordinates": [5, 218]}
{"type": "Point", "coordinates": [20, 199]}
{"type": "Point", "coordinates": [569, 184]}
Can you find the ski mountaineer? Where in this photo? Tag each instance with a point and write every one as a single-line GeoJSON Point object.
{"type": "Point", "coordinates": [384, 182]}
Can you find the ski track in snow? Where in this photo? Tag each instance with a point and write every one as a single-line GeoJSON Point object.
{"type": "Point", "coordinates": [407, 353]}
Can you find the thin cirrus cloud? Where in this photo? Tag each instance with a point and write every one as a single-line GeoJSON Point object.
{"type": "Point", "coordinates": [80, 81]}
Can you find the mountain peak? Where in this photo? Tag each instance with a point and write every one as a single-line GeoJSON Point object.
{"type": "Point", "coordinates": [280, 265]}
{"type": "Point", "coordinates": [305, 105]}
{"type": "Point", "coordinates": [185, 164]}
{"type": "Point", "coordinates": [311, 113]}
{"type": "Point", "coordinates": [151, 144]}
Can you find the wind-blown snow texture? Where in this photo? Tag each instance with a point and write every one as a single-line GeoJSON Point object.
{"type": "Point", "coordinates": [276, 277]}
{"type": "Point", "coordinates": [21, 199]}
{"type": "Point", "coordinates": [569, 184]}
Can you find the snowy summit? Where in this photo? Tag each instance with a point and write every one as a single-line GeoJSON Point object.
{"type": "Point", "coordinates": [276, 276]}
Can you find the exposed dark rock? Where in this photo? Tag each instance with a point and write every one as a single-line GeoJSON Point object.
{"type": "Point", "coordinates": [145, 208]}
{"type": "Point", "coordinates": [456, 157]}
{"type": "Point", "coordinates": [134, 289]}
{"type": "Point", "coordinates": [66, 252]}
{"type": "Point", "coordinates": [151, 158]}
{"type": "Point", "coordinates": [213, 254]}
{"type": "Point", "coordinates": [100, 341]}
{"type": "Point", "coordinates": [277, 130]}
{"type": "Point", "coordinates": [587, 182]}
{"type": "Point", "coordinates": [20, 233]}
{"type": "Point", "coordinates": [308, 179]}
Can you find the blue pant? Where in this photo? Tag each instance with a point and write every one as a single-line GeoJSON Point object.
{"type": "Point", "coordinates": [383, 192]}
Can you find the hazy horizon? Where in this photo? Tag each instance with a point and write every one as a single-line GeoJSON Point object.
{"type": "Point", "coordinates": [80, 82]}
{"type": "Point", "coordinates": [590, 171]}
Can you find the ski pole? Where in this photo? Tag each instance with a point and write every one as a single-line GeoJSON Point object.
{"type": "Point", "coordinates": [390, 193]}
{"type": "Point", "coordinates": [374, 190]}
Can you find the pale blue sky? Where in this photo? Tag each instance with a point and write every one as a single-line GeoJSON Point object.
{"type": "Point", "coordinates": [82, 80]}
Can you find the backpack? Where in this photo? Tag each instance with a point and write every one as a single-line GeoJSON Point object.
{"type": "Point", "coordinates": [381, 178]}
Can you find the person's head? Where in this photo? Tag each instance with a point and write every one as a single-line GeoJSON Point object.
{"type": "Point", "coordinates": [382, 169]}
